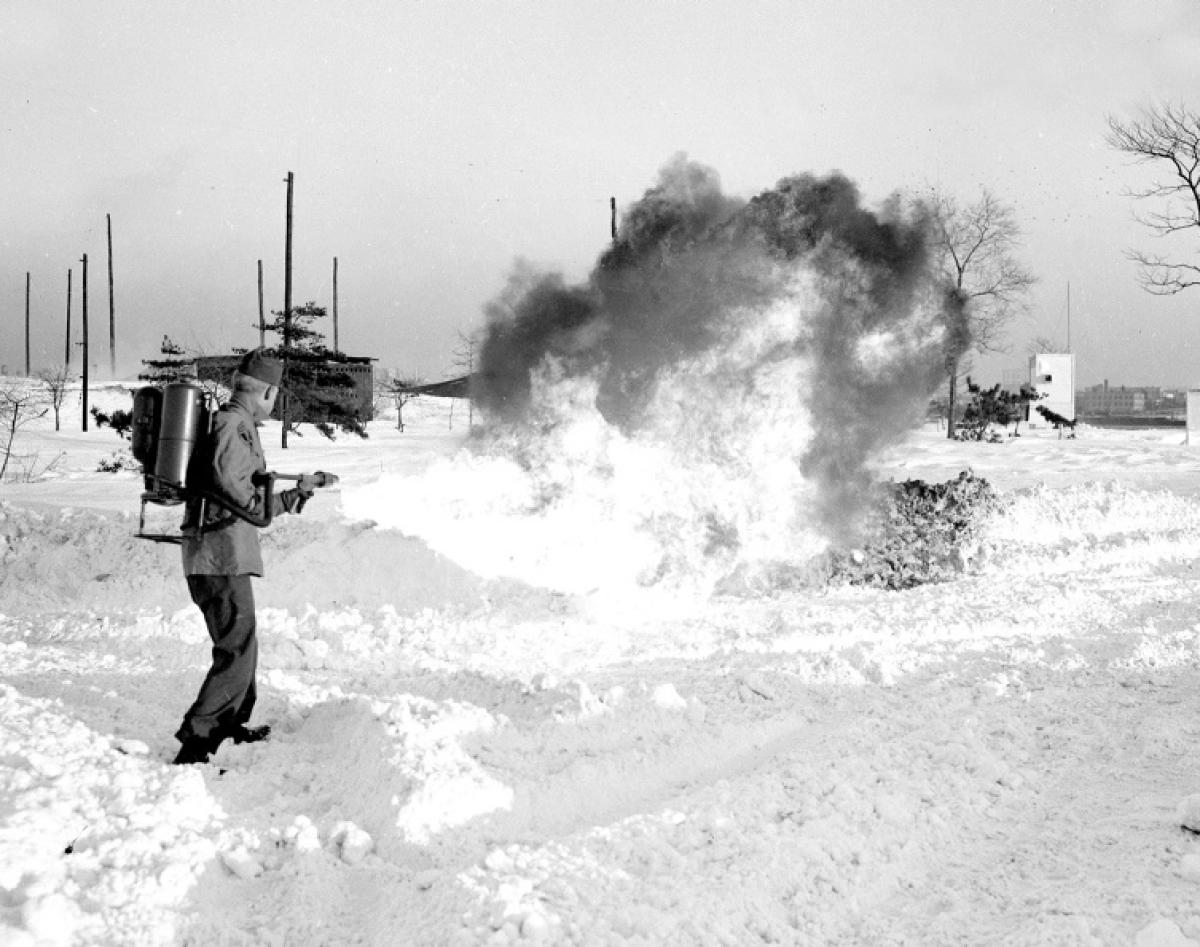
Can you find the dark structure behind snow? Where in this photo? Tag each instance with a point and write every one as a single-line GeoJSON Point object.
{"type": "Point", "coordinates": [450, 388]}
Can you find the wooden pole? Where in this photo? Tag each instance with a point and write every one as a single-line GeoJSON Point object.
{"type": "Point", "coordinates": [85, 344]}
{"type": "Point", "coordinates": [287, 308]}
{"type": "Point", "coordinates": [612, 206]}
{"type": "Point", "coordinates": [262, 318]}
{"type": "Point", "coordinates": [67, 359]}
{"type": "Point", "coordinates": [112, 309]}
{"type": "Point", "coordinates": [27, 372]}
{"type": "Point", "coordinates": [336, 347]}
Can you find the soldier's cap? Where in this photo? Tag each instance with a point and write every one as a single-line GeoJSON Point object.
{"type": "Point", "coordinates": [258, 365]}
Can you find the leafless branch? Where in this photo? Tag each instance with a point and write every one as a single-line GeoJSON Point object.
{"type": "Point", "coordinates": [977, 244]}
{"type": "Point", "coordinates": [19, 404]}
{"type": "Point", "coordinates": [56, 381]}
{"type": "Point", "coordinates": [1167, 136]}
{"type": "Point", "coordinates": [1162, 277]}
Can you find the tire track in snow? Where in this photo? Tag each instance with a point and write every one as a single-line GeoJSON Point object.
{"type": "Point", "coordinates": [1101, 620]}
{"type": "Point", "coordinates": [782, 841]}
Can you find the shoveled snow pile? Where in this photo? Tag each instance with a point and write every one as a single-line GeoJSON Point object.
{"type": "Point", "coordinates": [462, 755]}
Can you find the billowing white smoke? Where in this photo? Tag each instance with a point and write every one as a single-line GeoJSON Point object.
{"type": "Point", "coordinates": [708, 402]}
{"type": "Point", "coordinates": [707, 482]}
{"type": "Point", "coordinates": [569, 501]}
{"type": "Point", "coordinates": [707, 485]}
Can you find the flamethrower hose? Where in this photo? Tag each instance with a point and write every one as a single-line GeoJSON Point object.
{"type": "Point", "coordinates": [209, 497]}
{"type": "Point", "coordinates": [267, 481]}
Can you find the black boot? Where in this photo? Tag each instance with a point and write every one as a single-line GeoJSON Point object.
{"type": "Point", "coordinates": [243, 734]}
{"type": "Point", "coordinates": [196, 750]}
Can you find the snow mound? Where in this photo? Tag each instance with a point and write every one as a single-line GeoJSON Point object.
{"type": "Point", "coordinates": [73, 560]}
{"type": "Point", "coordinates": [397, 767]}
{"type": "Point", "coordinates": [100, 837]}
{"type": "Point", "coordinates": [1097, 520]}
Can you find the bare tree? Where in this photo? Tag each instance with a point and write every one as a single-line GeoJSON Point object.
{"type": "Point", "coordinates": [402, 398]}
{"type": "Point", "coordinates": [398, 386]}
{"type": "Point", "coordinates": [1168, 137]}
{"type": "Point", "coordinates": [464, 361]}
{"type": "Point", "coordinates": [19, 404]}
{"type": "Point", "coordinates": [976, 245]}
{"type": "Point", "coordinates": [55, 381]}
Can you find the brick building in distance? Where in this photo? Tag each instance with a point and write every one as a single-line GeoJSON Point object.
{"type": "Point", "coordinates": [1106, 400]}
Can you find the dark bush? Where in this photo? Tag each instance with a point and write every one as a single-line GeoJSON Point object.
{"type": "Point", "coordinates": [921, 533]}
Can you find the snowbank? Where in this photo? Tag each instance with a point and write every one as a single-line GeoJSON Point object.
{"type": "Point", "coordinates": [471, 746]}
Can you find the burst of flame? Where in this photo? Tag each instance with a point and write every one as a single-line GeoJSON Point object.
{"type": "Point", "coordinates": [714, 394]}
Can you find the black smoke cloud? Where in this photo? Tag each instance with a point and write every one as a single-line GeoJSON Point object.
{"type": "Point", "coordinates": [690, 263]}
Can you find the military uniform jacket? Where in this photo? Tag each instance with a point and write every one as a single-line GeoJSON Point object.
{"type": "Point", "coordinates": [225, 463]}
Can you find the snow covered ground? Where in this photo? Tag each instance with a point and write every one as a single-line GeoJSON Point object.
{"type": "Point", "coordinates": [490, 727]}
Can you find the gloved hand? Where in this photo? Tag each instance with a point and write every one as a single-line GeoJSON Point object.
{"type": "Point", "coordinates": [293, 500]}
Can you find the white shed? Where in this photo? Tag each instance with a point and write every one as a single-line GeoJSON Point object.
{"type": "Point", "coordinates": [1053, 376]}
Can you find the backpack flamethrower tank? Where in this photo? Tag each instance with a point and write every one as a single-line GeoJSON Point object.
{"type": "Point", "coordinates": [168, 424]}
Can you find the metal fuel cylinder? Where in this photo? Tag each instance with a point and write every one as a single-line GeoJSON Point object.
{"type": "Point", "coordinates": [180, 427]}
{"type": "Point", "coordinates": [147, 408]}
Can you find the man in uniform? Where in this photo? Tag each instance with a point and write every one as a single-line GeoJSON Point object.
{"type": "Point", "coordinates": [221, 554]}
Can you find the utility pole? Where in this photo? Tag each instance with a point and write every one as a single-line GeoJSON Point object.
{"type": "Point", "coordinates": [67, 359]}
{"type": "Point", "coordinates": [612, 207]}
{"type": "Point", "coordinates": [287, 309]}
{"type": "Point", "coordinates": [262, 319]}
{"type": "Point", "coordinates": [112, 310]}
{"type": "Point", "coordinates": [27, 324]}
{"type": "Point", "coordinates": [336, 347]}
{"type": "Point", "coordinates": [85, 345]}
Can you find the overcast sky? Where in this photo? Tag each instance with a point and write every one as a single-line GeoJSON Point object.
{"type": "Point", "coordinates": [434, 143]}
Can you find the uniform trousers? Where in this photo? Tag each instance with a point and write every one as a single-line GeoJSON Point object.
{"type": "Point", "coordinates": [227, 695]}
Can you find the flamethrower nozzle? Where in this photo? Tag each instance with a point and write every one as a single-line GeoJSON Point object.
{"type": "Point", "coordinates": [310, 481]}
{"type": "Point", "coordinates": [318, 478]}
